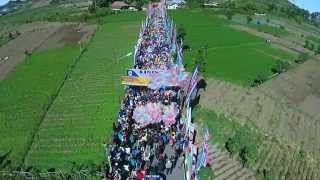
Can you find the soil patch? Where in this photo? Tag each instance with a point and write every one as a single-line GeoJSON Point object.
{"type": "Point", "coordinates": [40, 36]}
{"type": "Point", "coordinates": [300, 87]}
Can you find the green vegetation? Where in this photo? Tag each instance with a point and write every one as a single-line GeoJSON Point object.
{"type": "Point", "coordinates": [275, 31]}
{"type": "Point", "coordinates": [80, 119]}
{"type": "Point", "coordinates": [206, 174]}
{"type": "Point", "coordinates": [303, 57]}
{"type": "Point", "coordinates": [280, 67]}
{"type": "Point", "coordinates": [4, 40]}
{"type": "Point", "coordinates": [231, 55]}
{"type": "Point", "coordinates": [237, 139]}
{"type": "Point", "coordinates": [25, 96]}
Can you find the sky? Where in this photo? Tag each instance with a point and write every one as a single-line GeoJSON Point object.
{"type": "Point", "coordinates": [2, 2]}
{"type": "Point", "coordinates": [310, 5]}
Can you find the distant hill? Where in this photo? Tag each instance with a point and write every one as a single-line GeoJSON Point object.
{"type": "Point", "coordinates": [263, 4]}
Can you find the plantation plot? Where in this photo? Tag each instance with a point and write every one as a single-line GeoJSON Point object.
{"type": "Point", "coordinates": [229, 54]}
{"type": "Point", "coordinates": [75, 127]}
{"type": "Point", "coordinates": [26, 93]}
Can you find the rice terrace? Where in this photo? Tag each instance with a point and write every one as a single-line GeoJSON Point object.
{"type": "Point", "coordinates": [156, 90]}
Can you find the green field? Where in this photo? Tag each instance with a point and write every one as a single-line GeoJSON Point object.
{"type": "Point", "coordinates": [80, 119]}
{"type": "Point", "coordinates": [231, 55]}
{"type": "Point", "coordinates": [25, 95]}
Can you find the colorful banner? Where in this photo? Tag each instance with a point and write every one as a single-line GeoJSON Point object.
{"type": "Point", "coordinates": [135, 81]}
{"type": "Point", "coordinates": [203, 153]}
{"type": "Point", "coordinates": [172, 77]}
{"type": "Point", "coordinates": [192, 85]}
{"type": "Point", "coordinates": [141, 72]}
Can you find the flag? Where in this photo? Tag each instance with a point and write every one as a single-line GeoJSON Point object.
{"type": "Point", "coordinates": [192, 85]}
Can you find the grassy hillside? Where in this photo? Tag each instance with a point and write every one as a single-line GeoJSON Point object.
{"type": "Point", "coordinates": [25, 95]}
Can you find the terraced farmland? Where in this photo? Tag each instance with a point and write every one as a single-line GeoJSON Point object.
{"type": "Point", "coordinates": [25, 96]}
{"type": "Point", "coordinates": [225, 167]}
{"type": "Point", "coordinates": [75, 127]}
{"type": "Point", "coordinates": [285, 162]}
{"type": "Point", "coordinates": [265, 112]}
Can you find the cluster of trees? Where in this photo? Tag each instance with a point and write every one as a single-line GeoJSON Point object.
{"type": "Point", "coordinates": [303, 57]}
{"type": "Point", "coordinates": [281, 8]}
{"type": "Point", "coordinates": [200, 60]}
{"type": "Point", "coordinates": [280, 67]}
{"type": "Point", "coordinates": [260, 79]}
{"type": "Point", "coordinates": [242, 145]}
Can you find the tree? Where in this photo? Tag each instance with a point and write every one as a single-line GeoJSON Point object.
{"type": "Point", "coordinates": [140, 4]}
{"type": "Point", "coordinates": [229, 14]}
{"type": "Point", "coordinates": [311, 47]}
{"type": "Point", "coordinates": [93, 6]}
{"type": "Point", "coordinates": [200, 61]}
{"type": "Point", "coordinates": [181, 33]}
{"type": "Point", "coordinates": [249, 19]}
{"type": "Point", "coordinates": [258, 80]}
{"type": "Point", "coordinates": [268, 20]}
{"type": "Point", "coordinates": [318, 49]}
{"type": "Point", "coordinates": [302, 58]}
{"type": "Point", "coordinates": [243, 156]}
{"type": "Point", "coordinates": [306, 44]}
{"type": "Point", "coordinates": [280, 67]}
{"type": "Point", "coordinates": [103, 3]}
{"type": "Point", "coordinates": [11, 35]}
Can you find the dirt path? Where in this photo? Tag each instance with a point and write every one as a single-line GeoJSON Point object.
{"type": "Point", "coordinates": [286, 44]}
{"type": "Point", "coordinates": [225, 167]}
{"type": "Point", "coordinates": [264, 111]}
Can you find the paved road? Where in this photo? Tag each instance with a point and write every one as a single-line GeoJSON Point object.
{"type": "Point", "coordinates": [178, 171]}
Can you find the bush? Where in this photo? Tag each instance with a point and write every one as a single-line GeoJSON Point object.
{"type": "Point", "coordinates": [181, 33]}
{"type": "Point", "coordinates": [260, 79]}
{"type": "Point", "coordinates": [280, 67]}
{"type": "Point", "coordinates": [229, 14]}
{"type": "Point", "coordinates": [242, 145]}
{"type": "Point", "coordinates": [249, 19]}
{"type": "Point", "coordinates": [303, 57]}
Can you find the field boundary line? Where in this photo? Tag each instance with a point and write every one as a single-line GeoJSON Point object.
{"type": "Point", "coordinates": [53, 98]}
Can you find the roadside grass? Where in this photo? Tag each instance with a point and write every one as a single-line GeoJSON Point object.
{"type": "Point", "coordinates": [206, 174]}
{"type": "Point", "coordinates": [25, 95]}
{"type": "Point", "coordinates": [223, 130]}
{"type": "Point", "coordinates": [230, 55]}
{"type": "Point", "coordinates": [80, 119]}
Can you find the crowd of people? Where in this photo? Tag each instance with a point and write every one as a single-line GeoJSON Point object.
{"type": "Point", "coordinates": [155, 44]}
{"type": "Point", "coordinates": [136, 150]}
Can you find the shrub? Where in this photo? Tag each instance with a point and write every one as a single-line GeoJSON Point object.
{"type": "Point", "coordinates": [280, 67]}
{"type": "Point", "coordinates": [303, 57]}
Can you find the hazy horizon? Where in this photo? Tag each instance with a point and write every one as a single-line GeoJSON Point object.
{"type": "Point", "coordinates": [310, 5]}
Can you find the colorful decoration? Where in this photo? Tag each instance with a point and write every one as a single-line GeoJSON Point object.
{"type": "Point", "coordinates": [156, 112]}
{"type": "Point", "coordinates": [172, 77]}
